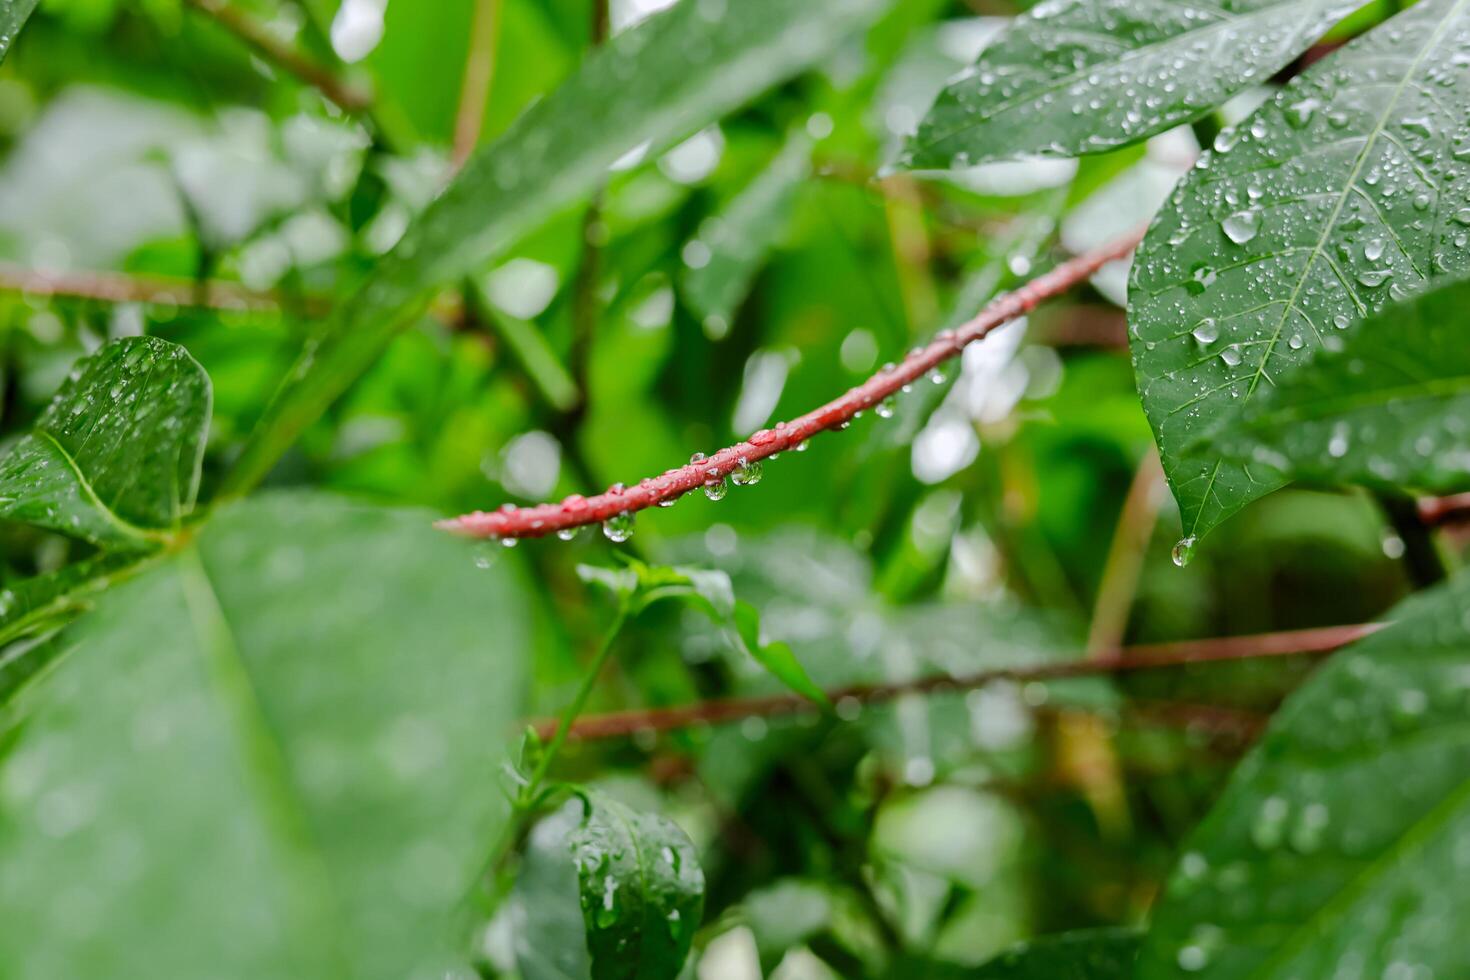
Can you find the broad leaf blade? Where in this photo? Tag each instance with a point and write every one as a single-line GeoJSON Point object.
{"type": "Point", "coordinates": [271, 754]}
{"type": "Point", "coordinates": [1094, 954]}
{"type": "Point", "coordinates": [668, 76]}
{"type": "Point", "coordinates": [1088, 76]}
{"type": "Point", "coordinates": [1339, 845]}
{"type": "Point", "coordinates": [1388, 409]}
{"type": "Point", "coordinates": [115, 457]}
{"type": "Point", "coordinates": [1336, 197]}
{"type": "Point", "coordinates": [641, 895]}
{"type": "Point", "coordinates": [13, 16]}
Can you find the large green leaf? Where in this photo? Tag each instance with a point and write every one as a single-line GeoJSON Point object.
{"type": "Point", "coordinates": [115, 457]}
{"type": "Point", "coordinates": [646, 87]}
{"type": "Point", "coordinates": [1391, 408]}
{"type": "Point", "coordinates": [1087, 76]}
{"type": "Point", "coordinates": [1340, 846]}
{"type": "Point", "coordinates": [1096, 954]}
{"type": "Point", "coordinates": [1346, 190]}
{"type": "Point", "coordinates": [272, 754]}
{"type": "Point", "coordinates": [640, 889]}
{"type": "Point", "coordinates": [13, 15]}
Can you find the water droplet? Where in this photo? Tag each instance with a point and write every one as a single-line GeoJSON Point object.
{"type": "Point", "coordinates": [509, 542]}
{"type": "Point", "coordinates": [697, 458]}
{"type": "Point", "coordinates": [936, 376]}
{"type": "Point", "coordinates": [1230, 355]}
{"type": "Point", "coordinates": [748, 474]}
{"type": "Point", "coordinates": [1207, 331]}
{"type": "Point", "coordinates": [1373, 250]}
{"type": "Point", "coordinates": [1296, 342]}
{"type": "Point", "coordinates": [1241, 227]}
{"type": "Point", "coordinates": [716, 489]}
{"type": "Point", "coordinates": [618, 528]}
{"type": "Point", "coordinates": [1374, 277]}
{"type": "Point", "coordinates": [886, 408]}
{"type": "Point", "coordinates": [1183, 552]}
{"type": "Point", "coordinates": [1463, 216]}
{"type": "Point", "coordinates": [803, 446]}
{"type": "Point", "coordinates": [568, 533]}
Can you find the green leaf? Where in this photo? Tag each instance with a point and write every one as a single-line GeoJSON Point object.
{"type": "Point", "coordinates": [1342, 193]}
{"type": "Point", "coordinates": [1092, 954]}
{"type": "Point", "coordinates": [638, 884]}
{"type": "Point", "coordinates": [115, 457]}
{"type": "Point", "coordinates": [1339, 847]}
{"type": "Point", "coordinates": [641, 585]}
{"type": "Point", "coordinates": [271, 754]}
{"type": "Point", "coordinates": [13, 16]}
{"type": "Point", "coordinates": [1388, 409]}
{"type": "Point", "coordinates": [670, 75]}
{"type": "Point", "coordinates": [1088, 76]}
{"type": "Point", "coordinates": [739, 236]}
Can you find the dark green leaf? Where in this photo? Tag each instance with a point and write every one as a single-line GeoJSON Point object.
{"type": "Point", "coordinates": [269, 755]}
{"type": "Point", "coordinates": [1088, 76]}
{"type": "Point", "coordinates": [1345, 191]}
{"type": "Point", "coordinates": [13, 15]}
{"type": "Point", "coordinates": [1389, 408]}
{"type": "Point", "coordinates": [1097, 954]}
{"type": "Point", "coordinates": [641, 895]}
{"type": "Point", "coordinates": [1339, 847]}
{"type": "Point", "coordinates": [115, 457]}
{"type": "Point", "coordinates": [739, 237]}
{"type": "Point", "coordinates": [647, 86]}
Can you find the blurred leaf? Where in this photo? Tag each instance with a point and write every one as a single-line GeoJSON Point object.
{"type": "Point", "coordinates": [644, 88]}
{"type": "Point", "coordinates": [1099, 954]}
{"type": "Point", "coordinates": [233, 771]}
{"type": "Point", "coordinates": [1089, 76]}
{"type": "Point", "coordinates": [115, 457]}
{"type": "Point", "coordinates": [1332, 199]}
{"type": "Point", "coordinates": [775, 656]}
{"type": "Point", "coordinates": [739, 236]}
{"type": "Point", "coordinates": [1346, 825]}
{"type": "Point", "coordinates": [639, 886]}
{"type": "Point", "coordinates": [1388, 408]}
{"type": "Point", "coordinates": [13, 14]}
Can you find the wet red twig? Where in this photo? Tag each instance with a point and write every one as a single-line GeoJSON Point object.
{"type": "Point", "coordinates": [1435, 511]}
{"type": "Point", "coordinates": [1121, 660]}
{"type": "Point", "coordinates": [577, 511]}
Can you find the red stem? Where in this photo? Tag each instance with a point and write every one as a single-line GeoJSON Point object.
{"type": "Point", "coordinates": [577, 511]}
{"type": "Point", "coordinates": [1120, 660]}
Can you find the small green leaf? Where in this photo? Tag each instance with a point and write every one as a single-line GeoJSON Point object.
{"type": "Point", "coordinates": [13, 16]}
{"type": "Point", "coordinates": [1090, 954]}
{"type": "Point", "coordinates": [775, 656]}
{"type": "Point", "coordinates": [1088, 76]}
{"type": "Point", "coordinates": [646, 87]}
{"type": "Point", "coordinates": [740, 235]}
{"type": "Point", "coordinates": [115, 457]}
{"type": "Point", "coordinates": [1338, 196]}
{"type": "Point", "coordinates": [1339, 846]}
{"type": "Point", "coordinates": [638, 885]}
{"type": "Point", "coordinates": [270, 754]}
{"type": "Point", "coordinates": [1388, 409]}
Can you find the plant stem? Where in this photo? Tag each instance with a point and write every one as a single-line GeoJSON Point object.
{"type": "Point", "coordinates": [577, 511]}
{"type": "Point", "coordinates": [569, 716]}
{"type": "Point", "coordinates": [479, 72]}
{"type": "Point", "coordinates": [1422, 559]}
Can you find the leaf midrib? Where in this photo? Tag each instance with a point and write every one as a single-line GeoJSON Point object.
{"type": "Point", "coordinates": [124, 525]}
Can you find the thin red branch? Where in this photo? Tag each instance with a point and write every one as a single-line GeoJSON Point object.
{"type": "Point", "coordinates": [1121, 660]}
{"type": "Point", "coordinates": [577, 511]}
{"type": "Point", "coordinates": [1435, 511]}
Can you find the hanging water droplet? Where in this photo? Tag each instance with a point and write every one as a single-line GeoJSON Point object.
{"type": "Point", "coordinates": [716, 489]}
{"type": "Point", "coordinates": [509, 542]}
{"type": "Point", "coordinates": [803, 446]}
{"type": "Point", "coordinates": [1183, 552]}
{"type": "Point", "coordinates": [1241, 227]}
{"type": "Point", "coordinates": [936, 376]}
{"type": "Point", "coordinates": [568, 533]}
{"type": "Point", "coordinates": [1207, 331]}
{"type": "Point", "coordinates": [748, 474]}
{"type": "Point", "coordinates": [886, 408]}
{"type": "Point", "coordinates": [618, 528]}
{"type": "Point", "coordinates": [668, 502]}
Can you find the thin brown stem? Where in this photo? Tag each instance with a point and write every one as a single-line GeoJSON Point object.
{"type": "Point", "coordinates": [479, 74]}
{"type": "Point", "coordinates": [114, 287]}
{"type": "Point", "coordinates": [578, 511]}
{"type": "Point", "coordinates": [1116, 590]}
{"type": "Point", "coordinates": [1293, 643]}
{"type": "Point", "coordinates": [255, 36]}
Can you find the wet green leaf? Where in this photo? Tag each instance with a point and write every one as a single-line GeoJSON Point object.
{"type": "Point", "coordinates": [1338, 196]}
{"type": "Point", "coordinates": [13, 16]}
{"type": "Point", "coordinates": [1339, 845]}
{"type": "Point", "coordinates": [638, 884]}
{"type": "Point", "coordinates": [1388, 409]}
{"type": "Point", "coordinates": [270, 754]}
{"type": "Point", "coordinates": [1093, 954]}
{"type": "Point", "coordinates": [643, 89]}
{"type": "Point", "coordinates": [1088, 76]}
{"type": "Point", "coordinates": [115, 457]}
{"type": "Point", "coordinates": [739, 237]}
